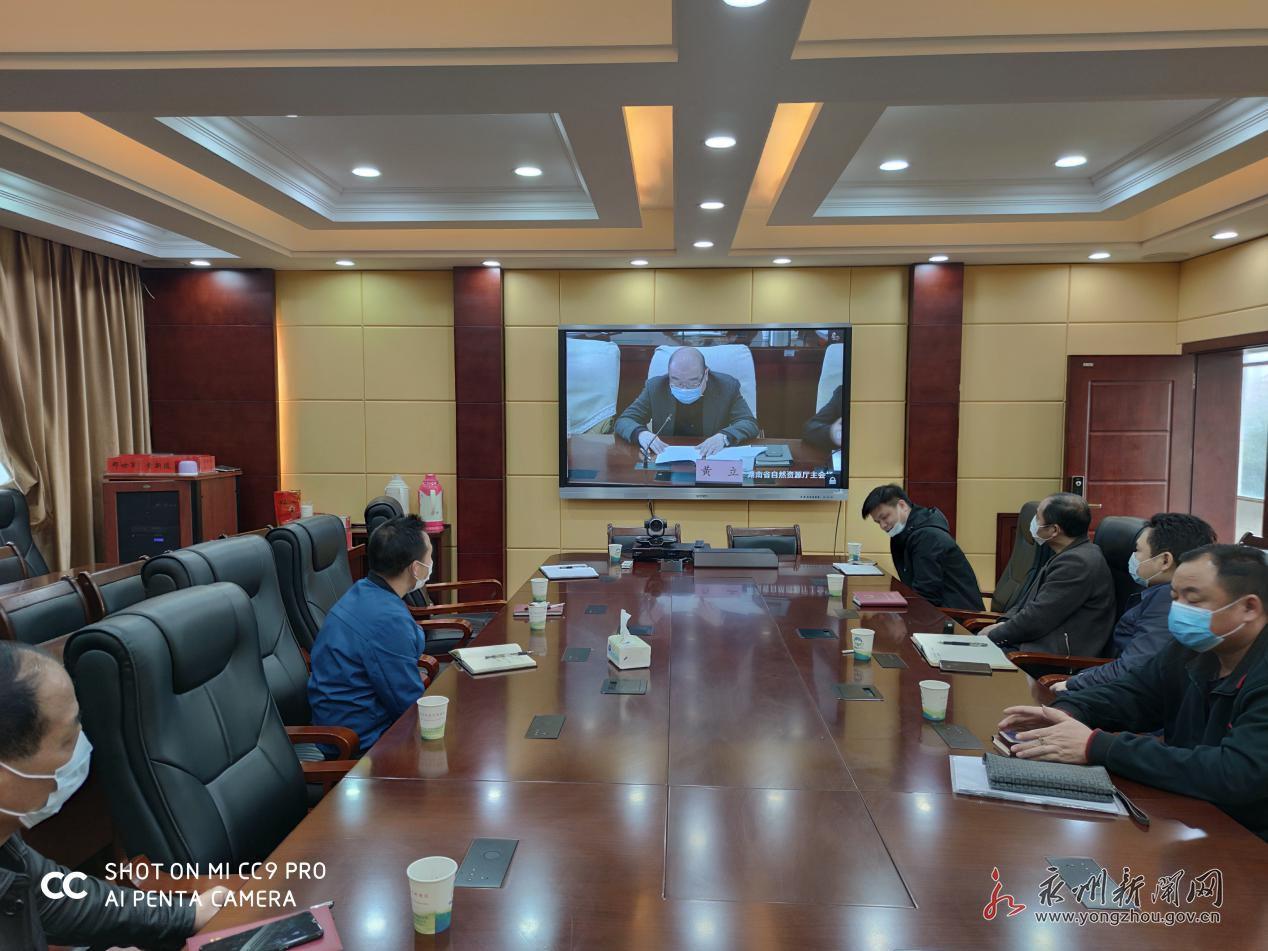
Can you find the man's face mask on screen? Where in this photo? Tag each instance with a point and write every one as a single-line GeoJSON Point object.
{"type": "Point", "coordinates": [689, 389]}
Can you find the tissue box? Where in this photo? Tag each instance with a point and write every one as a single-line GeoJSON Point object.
{"type": "Point", "coordinates": [629, 651]}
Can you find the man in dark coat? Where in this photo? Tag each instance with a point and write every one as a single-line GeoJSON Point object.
{"type": "Point", "coordinates": [689, 400]}
{"type": "Point", "coordinates": [927, 558]}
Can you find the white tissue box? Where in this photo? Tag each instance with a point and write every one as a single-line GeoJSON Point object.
{"type": "Point", "coordinates": [628, 651]}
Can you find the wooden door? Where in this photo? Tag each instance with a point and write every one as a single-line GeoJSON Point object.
{"type": "Point", "coordinates": [1129, 433]}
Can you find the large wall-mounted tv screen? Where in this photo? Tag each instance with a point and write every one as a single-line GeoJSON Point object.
{"type": "Point", "coordinates": [709, 412]}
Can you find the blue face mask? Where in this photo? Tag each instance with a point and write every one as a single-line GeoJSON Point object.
{"type": "Point", "coordinates": [1133, 569]}
{"type": "Point", "coordinates": [687, 394]}
{"type": "Point", "coordinates": [1191, 625]}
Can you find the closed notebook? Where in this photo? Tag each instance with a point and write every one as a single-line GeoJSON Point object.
{"type": "Point", "coordinates": [879, 599]}
{"type": "Point", "coordinates": [1037, 778]}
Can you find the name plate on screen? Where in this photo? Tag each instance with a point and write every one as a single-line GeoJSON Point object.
{"type": "Point", "coordinates": [720, 471]}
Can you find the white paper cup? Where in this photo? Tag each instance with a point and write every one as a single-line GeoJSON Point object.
{"type": "Point", "coordinates": [432, 712]}
{"type": "Point", "coordinates": [305, 510]}
{"type": "Point", "coordinates": [431, 892]}
{"type": "Point", "coordinates": [614, 554]}
{"type": "Point", "coordinates": [836, 584]}
{"type": "Point", "coordinates": [855, 549]}
{"type": "Point", "coordinates": [539, 586]}
{"type": "Point", "coordinates": [861, 641]}
{"type": "Point", "coordinates": [933, 699]}
{"type": "Point", "coordinates": [537, 615]}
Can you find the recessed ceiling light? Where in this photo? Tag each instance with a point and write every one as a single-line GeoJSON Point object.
{"type": "Point", "coordinates": [720, 141]}
{"type": "Point", "coordinates": [344, 262]}
{"type": "Point", "coordinates": [528, 171]}
{"type": "Point", "coordinates": [1098, 255]}
{"type": "Point", "coordinates": [703, 244]}
{"type": "Point", "coordinates": [491, 263]}
{"type": "Point", "coordinates": [639, 262]}
{"type": "Point", "coordinates": [743, 3]}
{"type": "Point", "coordinates": [938, 258]}
{"type": "Point", "coordinates": [366, 171]}
{"type": "Point", "coordinates": [1224, 235]}
{"type": "Point", "coordinates": [781, 261]}
{"type": "Point", "coordinates": [199, 262]}
{"type": "Point", "coordinates": [1070, 161]}
{"type": "Point", "coordinates": [711, 205]}
{"type": "Point", "coordinates": [893, 165]}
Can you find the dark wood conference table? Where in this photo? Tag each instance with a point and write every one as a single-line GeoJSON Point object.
{"type": "Point", "coordinates": [603, 460]}
{"type": "Point", "coordinates": [737, 804]}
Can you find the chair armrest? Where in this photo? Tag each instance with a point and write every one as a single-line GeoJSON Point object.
{"type": "Point", "coordinates": [327, 773]}
{"type": "Point", "coordinates": [454, 585]}
{"type": "Point", "coordinates": [340, 737]}
{"type": "Point", "coordinates": [1039, 664]}
{"type": "Point", "coordinates": [972, 620]}
{"type": "Point", "coordinates": [430, 667]}
{"type": "Point", "coordinates": [1051, 680]}
{"type": "Point", "coordinates": [447, 624]}
{"type": "Point", "coordinates": [458, 607]}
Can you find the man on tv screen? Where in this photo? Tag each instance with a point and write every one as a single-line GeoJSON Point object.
{"type": "Point", "coordinates": [688, 401]}
{"type": "Point", "coordinates": [823, 429]}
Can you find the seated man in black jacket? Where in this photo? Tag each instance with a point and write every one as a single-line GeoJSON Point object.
{"type": "Point", "coordinates": [927, 558]}
{"type": "Point", "coordinates": [44, 758]}
{"type": "Point", "coordinates": [1207, 692]}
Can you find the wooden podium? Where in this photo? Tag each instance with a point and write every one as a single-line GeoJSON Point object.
{"type": "Point", "coordinates": [148, 515]}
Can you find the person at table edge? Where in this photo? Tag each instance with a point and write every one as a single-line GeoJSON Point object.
{"type": "Point", "coordinates": [689, 400]}
{"type": "Point", "coordinates": [1207, 691]}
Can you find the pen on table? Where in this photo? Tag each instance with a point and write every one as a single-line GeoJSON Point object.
{"type": "Point", "coordinates": [324, 904]}
{"type": "Point", "coordinates": [1133, 810]}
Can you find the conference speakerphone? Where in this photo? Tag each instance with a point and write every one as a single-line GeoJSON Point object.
{"type": "Point", "coordinates": [736, 558]}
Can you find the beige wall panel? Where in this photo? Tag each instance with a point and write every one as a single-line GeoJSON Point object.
{"type": "Point", "coordinates": [318, 297]}
{"type": "Point", "coordinates": [1016, 293]}
{"type": "Point", "coordinates": [322, 436]}
{"type": "Point", "coordinates": [532, 364]}
{"type": "Point", "coordinates": [407, 298]}
{"type": "Point", "coordinates": [409, 363]}
{"type": "Point", "coordinates": [1122, 293]}
{"type": "Point", "coordinates": [319, 363]}
{"type": "Point", "coordinates": [607, 297]}
{"type": "Point", "coordinates": [530, 298]}
{"type": "Point", "coordinates": [876, 437]}
{"type": "Point", "coordinates": [584, 522]}
{"type": "Point", "coordinates": [1011, 440]}
{"type": "Point", "coordinates": [1122, 339]}
{"type": "Point", "coordinates": [1018, 362]}
{"type": "Point", "coordinates": [532, 439]}
{"type": "Point", "coordinates": [878, 364]}
{"type": "Point", "coordinates": [1233, 279]}
{"type": "Point", "coordinates": [409, 437]}
{"type": "Point", "coordinates": [342, 494]}
{"type": "Point", "coordinates": [704, 296]}
{"type": "Point", "coordinates": [1254, 320]}
{"type": "Point", "coordinates": [532, 512]}
{"type": "Point", "coordinates": [705, 520]}
{"type": "Point", "coordinates": [984, 568]}
{"type": "Point", "coordinates": [978, 501]}
{"type": "Point", "coordinates": [801, 295]}
{"type": "Point", "coordinates": [522, 564]}
{"type": "Point", "coordinates": [878, 295]}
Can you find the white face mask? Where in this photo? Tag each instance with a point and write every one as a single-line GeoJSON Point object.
{"type": "Point", "coordinates": [69, 777]}
{"type": "Point", "coordinates": [896, 529]}
{"type": "Point", "coordinates": [422, 578]}
{"type": "Point", "coordinates": [1034, 530]}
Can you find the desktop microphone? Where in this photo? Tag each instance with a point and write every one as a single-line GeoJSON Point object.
{"type": "Point", "coordinates": [656, 435]}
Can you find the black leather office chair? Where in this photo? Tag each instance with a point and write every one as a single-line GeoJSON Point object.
{"type": "Point", "coordinates": [43, 614]}
{"type": "Point", "coordinates": [784, 542]}
{"type": "Point", "coordinates": [379, 511]}
{"type": "Point", "coordinates": [12, 567]}
{"type": "Point", "coordinates": [112, 589]}
{"type": "Point", "coordinates": [1023, 564]}
{"type": "Point", "coordinates": [197, 764]}
{"type": "Point", "coordinates": [1116, 537]}
{"type": "Point", "coordinates": [15, 526]}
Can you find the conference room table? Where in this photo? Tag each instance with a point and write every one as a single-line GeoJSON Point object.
{"type": "Point", "coordinates": [605, 460]}
{"type": "Point", "coordinates": [738, 803]}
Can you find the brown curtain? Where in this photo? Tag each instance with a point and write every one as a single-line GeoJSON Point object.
{"type": "Point", "coordinates": [72, 384]}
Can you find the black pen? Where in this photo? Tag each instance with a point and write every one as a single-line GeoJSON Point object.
{"type": "Point", "coordinates": [1133, 810]}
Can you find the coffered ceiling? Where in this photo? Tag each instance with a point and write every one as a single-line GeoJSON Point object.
{"type": "Point", "coordinates": [231, 133]}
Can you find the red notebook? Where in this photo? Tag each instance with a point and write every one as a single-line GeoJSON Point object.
{"type": "Point", "coordinates": [329, 940]}
{"type": "Point", "coordinates": [880, 600]}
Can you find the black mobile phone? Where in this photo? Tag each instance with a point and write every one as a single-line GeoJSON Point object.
{"type": "Point", "coordinates": [279, 935]}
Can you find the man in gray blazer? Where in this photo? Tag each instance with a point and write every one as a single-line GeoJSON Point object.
{"type": "Point", "coordinates": [688, 401]}
{"type": "Point", "coordinates": [1070, 608]}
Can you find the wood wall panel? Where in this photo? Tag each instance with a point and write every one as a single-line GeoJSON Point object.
{"type": "Point", "coordinates": [212, 365]}
{"type": "Point", "coordinates": [1216, 438]}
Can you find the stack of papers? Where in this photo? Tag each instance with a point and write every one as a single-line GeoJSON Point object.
{"type": "Point", "coordinates": [935, 648]}
{"type": "Point", "coordinates": [968, 776]}
{"type": "Point", "coordinates": [857, 568]}
{"type": "Point", "coordinates": [568, 572]}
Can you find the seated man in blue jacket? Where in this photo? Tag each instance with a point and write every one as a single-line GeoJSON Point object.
{"type": "Point", "coordinates": [1142, 630]}
{"type": "Point", "coordinates": [1207, 691]}
{"type": "Point", "coordinates": [365, 659]}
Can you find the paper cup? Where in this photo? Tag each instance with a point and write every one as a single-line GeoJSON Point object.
{"type": "Point", "coordinates": [305, 510]}
{"type": "Point", "coordinates": [539, 586]}
{"type": "Point", "coordinates": [836, 584]}
{"type": "Point", "coordinates": [537, 615]}
{"type": "Point", "coordinates": [431, 892]}
{"type": "Point", "coordinates": [861, 641]}
{"type": "Point", "coordinates": [432, 712]}
{"type": "Point", "coordinates": [614, 554]}
{"type": "Point", "coordinates": [855, 549]}
{"type": "Point", "coordinates": [933, 699]}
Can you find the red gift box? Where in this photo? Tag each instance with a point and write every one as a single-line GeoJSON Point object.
{"type": "Point", "coordinates": [285, 505]}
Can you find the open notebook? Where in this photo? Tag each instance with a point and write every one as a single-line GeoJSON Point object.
{"type": "Point", "coordinates": [494, 659]}
{"type": "Point", "coordinates": [935, 648]}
